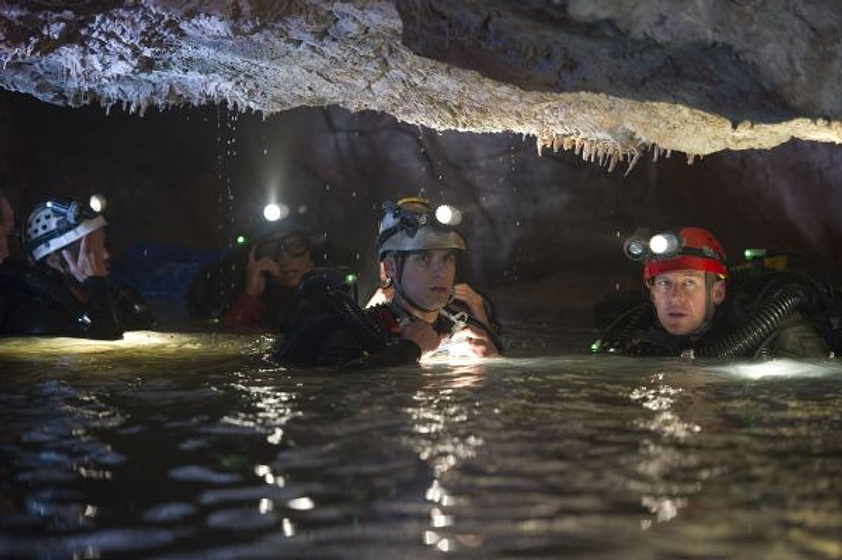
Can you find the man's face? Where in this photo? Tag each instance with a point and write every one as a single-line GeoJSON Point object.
{"type": "Point", "coordinates": [679, 298]}
{"type": "Point", "coordinates": [7, 227]}
{"type": "Point", "coordinates": [427, 277]}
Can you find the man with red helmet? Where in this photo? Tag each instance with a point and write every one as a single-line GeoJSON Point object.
{"type": "Point", "coordinates": [685, 271]}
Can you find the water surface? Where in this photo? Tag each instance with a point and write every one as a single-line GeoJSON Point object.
{"type": "Point", "coordinates": [194, 446]}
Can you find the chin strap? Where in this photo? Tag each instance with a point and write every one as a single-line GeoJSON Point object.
{"type": "Point", "coordinates": [400, 261]}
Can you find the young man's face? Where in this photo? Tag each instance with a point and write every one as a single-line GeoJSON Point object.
{"type": "Point", "coordinates": [427, 277]}
{"type": "Point", "coordinates": [679, 298]}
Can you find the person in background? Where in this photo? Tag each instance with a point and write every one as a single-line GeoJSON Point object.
{"type": "Point", "coordinates": [7, 226]}
{"type": "Point", "coordinates": [65, 289]}
{"type": "Point", "coordinates": [687, 276]}
{"type": "Point", "coordinates": [424, 311]}
{"type": "Point", "coordinates": [274, 270]}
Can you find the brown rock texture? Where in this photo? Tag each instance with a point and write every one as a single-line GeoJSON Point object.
{"type": "Point", "coordinates": [611, 81]}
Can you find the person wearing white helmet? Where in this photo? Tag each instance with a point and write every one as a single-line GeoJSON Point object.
{"type": "Point", "coordinates": [423, 311]}
{"type": "Point", "coordinates": [66, 291]}
{"type": "Point", "coordinates": [418, 246]}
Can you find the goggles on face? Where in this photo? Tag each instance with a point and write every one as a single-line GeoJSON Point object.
{"type": "Point", "coordinates": [292, 245]}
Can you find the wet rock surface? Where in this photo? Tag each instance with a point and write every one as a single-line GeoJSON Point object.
{"type": "Point", "coordinates": [609, 81]}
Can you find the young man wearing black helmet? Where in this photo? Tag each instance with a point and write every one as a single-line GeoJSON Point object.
{"type": "Point", "coordinates": [423, 311]}
{"type": "Point", "coordinates": [686, 272]}
{"type": "Point", "coordinates": [66, 290]}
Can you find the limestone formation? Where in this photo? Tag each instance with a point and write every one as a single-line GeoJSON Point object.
{"type": "Point", "coordinates": [612, 81]}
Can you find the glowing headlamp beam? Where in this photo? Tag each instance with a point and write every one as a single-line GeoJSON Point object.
{"type": "Point", "coordinates": [274, 212]}
{"type": "Point", "coordinates": [97, 203]}
{"type": "Point", "coordinates": [448, 215]}
{"type": "Point", "coordinates": [661, 244]}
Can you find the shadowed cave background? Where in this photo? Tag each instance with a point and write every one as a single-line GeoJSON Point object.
{"type": "Point", "coordinates": [545, 232]}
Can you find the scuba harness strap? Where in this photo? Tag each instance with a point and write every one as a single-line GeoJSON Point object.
{"type": "Point", "coordinates": [400, 262]}
{"type": "Point", "coordinates": [458, 319]}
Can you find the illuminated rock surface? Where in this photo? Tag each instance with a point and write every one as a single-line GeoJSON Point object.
{"type": "Point", "coordinates": [606, 79]}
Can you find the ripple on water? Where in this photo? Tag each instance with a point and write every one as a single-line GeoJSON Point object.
{"type": "Point", "coordinates": [540, 456]}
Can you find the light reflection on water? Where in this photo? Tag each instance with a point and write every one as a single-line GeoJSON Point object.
{"type": "Point", "coordinates": [176, 445]}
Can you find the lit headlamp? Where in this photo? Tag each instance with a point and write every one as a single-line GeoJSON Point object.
{"type": "Point", "coordinates": [273, 212]}
{"type": "Point", "coordinates": [55, 224]}
{"type": "Point", "coordinates": [410, 221]}
{"type": "Point", "coordinates": [98, 203]}
{"type": "Point", "coordinates": [660, 246]}
{"type": "Point", "coordinates": [686, 248]}
{"type": "Point", "coordinates": [448, 215]}
{"type": "Point", "coordinates": [411, 224]}
{"type": "Point", "coordinates": [74, 212]}
{"type": "Point", "coordinates": [663, 245]}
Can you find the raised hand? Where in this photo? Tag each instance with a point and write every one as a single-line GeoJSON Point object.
{"type": "Point", "coordinates": [92, 260]}
{"type": "Point", "coordinates": [474, 341]}
{"type": "Point", "coordinates": [473, 300]}
{"type": "Point", "coordinates": [256, 273]}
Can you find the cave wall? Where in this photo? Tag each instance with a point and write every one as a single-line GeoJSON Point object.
{"type": "Point", "coordinates": [198, 177]}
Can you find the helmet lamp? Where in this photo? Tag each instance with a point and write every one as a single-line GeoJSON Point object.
{"type": "Point", "coordinates": [635, 249]}
{"type": "Point", "coordinates": [448, 215]}
{"type": "Point", "coordinates": [274, 212]}
{"type": "Point", "coordinates": [663, 243]}
{"type": "Point", "coordinates": [412, 224]}
{"type": "Point", "coordinates": [97, 203]}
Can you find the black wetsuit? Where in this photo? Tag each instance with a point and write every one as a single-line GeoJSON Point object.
{"type": "Point", "coordinates": [38, 301]}
{"type": "Point", "coordinates": [328, 328]}
{"type": "Point", "coordinates": [758, 319]}
{"type": "Point", "coordinates": [321, 336]}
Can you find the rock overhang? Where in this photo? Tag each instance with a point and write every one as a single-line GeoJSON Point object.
{"type": "Point", "coordinates": [610, 81]}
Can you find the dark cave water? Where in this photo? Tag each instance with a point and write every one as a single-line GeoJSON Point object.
{"type": "Point", "coordinates": [193, 446]}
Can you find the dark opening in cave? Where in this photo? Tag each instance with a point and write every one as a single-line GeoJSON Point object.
{"type": "Point", "coordinates": [545, 231]}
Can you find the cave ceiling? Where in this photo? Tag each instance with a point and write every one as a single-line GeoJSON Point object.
{"type": "Point", "coordinates": [610, 80]}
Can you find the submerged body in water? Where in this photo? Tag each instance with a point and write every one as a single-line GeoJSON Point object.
{"type": "Point", "coordinates": [195, 446]}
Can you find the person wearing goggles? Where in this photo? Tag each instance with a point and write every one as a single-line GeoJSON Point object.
{"type": "Point", "coordinates": [274, 270]}
{"type": "Point", "coordinates": [423, 311]}
{"type": "Point", "coordinates": [65, 289]}
{"type": "Point", "coordinates": [686, 273]}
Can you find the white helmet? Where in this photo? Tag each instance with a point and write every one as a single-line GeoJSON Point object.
{"type": "Point", "coordinates": [55, 224]}
{"type": "Point", "coordinates": [413, 225]}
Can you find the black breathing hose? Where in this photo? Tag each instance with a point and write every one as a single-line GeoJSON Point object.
{"type": "Point", "coordinates": [327, 287]}
{"type": "Point", "coordinates": [768, 317]}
